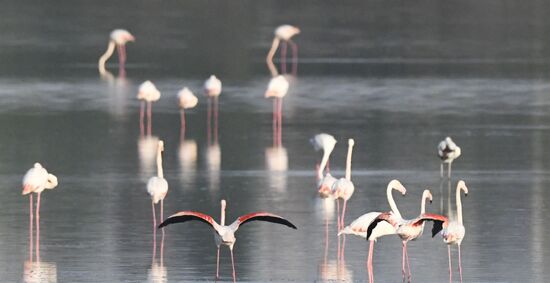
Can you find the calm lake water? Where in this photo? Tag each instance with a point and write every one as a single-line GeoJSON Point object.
{"type": "Point", "coordinates": [396, 77]}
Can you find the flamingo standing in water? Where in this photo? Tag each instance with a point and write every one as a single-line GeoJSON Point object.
{"type": "Point", "coordinates": [360, 225]}
{"type": "Point", "coordinates": [325, 142]}
{"type": "Point", "coordinates": [212, 90]}
{"type": "Point", "coordinates": [157, 186]}
{"type": "Point", "coordinates": [454, 233]}
{"type": "Point", "coordinates": [447, 151]}
{"type": "Point", "coordinates": [225, 234]}
{"type": "Point", "coordinates": [283, 33]}
{"type": "Point", "coordinates": [186, 100]}
{"type": "Point", "coordinates": [36, 180]}
{"type": "Point", "coordinates": [277, 88]}
{"type": "Point", "coordinates": [409, 230]}
{"type": "Point", "coordinates": [344, 188]}
{"type": "Point", "coordinates": [118, 39]}
{"type": "Point", "coordinates": [148, 93]}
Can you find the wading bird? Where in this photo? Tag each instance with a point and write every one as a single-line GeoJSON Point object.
{"type": "Point", "coordinates": [454, 233]}
{"type": "Point", "coordinates": [186, 100]}
{"type": "Point", "coordinates": [447, 151]}
{"type": "Point", "coordinates": [118, 39]}
{"type": "Point", "coordinates": [148, 93]}
{"type": "Point", "coordinates": [277, 88]}
{"type": "Point", "coordinates": [212, 90]}
{"type": "Point", "coordinates": [283, 33]}
{"type": "Point", "coordinates": [409, 230]}
{"type": "Point", "coordinates": [325, 142]}
{"type": "Point", "coordinates": [343, 188]}
{"type": "Point", "coordinates": [360, 225]}
{"type": "Point", "coordinates": [225, 234]}
{"type": "Point", "coordinates": [157, 186]}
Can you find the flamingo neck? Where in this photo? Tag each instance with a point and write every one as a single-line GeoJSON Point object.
{"type": "Point", "coordinates": [160, 172]}
{"type": "Point", "coordinates": [105, 57]}
{"type": "Point", "coordinates": [393, 206]}
{"type": "Point", "coordinates": [270, 55]}
{"type": "Point", "coordinates": [348, 161]}
{"type": "Point", "coordinates": [222, 220]}
{"type": "Point", "coordinates": [458, 205]}
{"type": "Point", "coordinates": [324, 161]}
{"type": "Point", "coordinates": [423, 203]}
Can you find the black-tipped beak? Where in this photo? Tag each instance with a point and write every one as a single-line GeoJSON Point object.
{"type": "Point", "coordinates": [465, 195]}
{"type": "Point", "coordinates": [430, 201]}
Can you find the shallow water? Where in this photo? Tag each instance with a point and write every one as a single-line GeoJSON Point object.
{"type": "Point", "coordinates": [397, 85]}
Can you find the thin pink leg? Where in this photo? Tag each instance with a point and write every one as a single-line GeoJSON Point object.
{"type": "Point", "coordinates": [154, 226]}
{"type": "Point", "coordinates": [343, 214]}
{"type": "Point", "coordinates": [182, 126]}
{"type": "Point", "coordinates": [274, 122]}
{"type": "Point", "coordinates": [338, 214]}
{"type": "Point", "coordinates": [294, 47]}
{"type": "Point", "coordinates": [215, 120]}
{"type": "Point", "coordinates": [122, 60]}
{"type": "Point", "coordinates": [408, 263]}
{"type": "Point", "coordinates": [149, 118]}
{"type": "Point", "coordinates": [369, 262]}
{"type": "Point", "coordinates": [141, 117]}
{"type": "Point", "coordinates": [31, 216]}
{"type": "Point", "coordinates": [459, 263]}
{"type": "Point", "coordinates": [208, 120]}
{"type": "Point", "coordinates": [342, 256]}
{"type": "Point", "coordinates": [450, 264]}
{"type": "Point", "coordinates": [233, 265]}
{"type": "Point", "coordinates": [218, 264]}
{"type": "Point", "coordinates": [283, 57]}
{"type": "Point", "coordinates": [280, 124]}
{"type": "Point", "coordinates": [38, 228]}
{"type": "Point", "coordinates": [162, 249]}
{"type": "Point", "coordinates": [404, 250]}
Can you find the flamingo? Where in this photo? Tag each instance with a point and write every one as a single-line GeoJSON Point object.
{"type": "Point", "coordinates": [343, 188]}
{"type": "Point", "coordinates": [409, 230]}
{"type": "Point", "coordinates": [36, 180]}
{"type": "Point", "coordinates": [360, 225]}
{"type": "Point", "coordinates": [147, 93]}
{"type": "Point", "coordinates": [325, 142]}
{"type": "Point", "coordinates": [186, 100]}
{"type": "Point", "coordinates": [454, 233]}
{"type": "Point", "coordinates": [277, 88]}
{"type": "Point", "coordinates": [448, 151]}
{"type": "Point", "coordinates": [212, 90]}
{"type": "Point", "coordinates": [157, 186]}
{"type": "Point", "coordinates": [283, 33]}
{"type": "Point", "coordinates": [118, 39]}
{"type": "Point", "coordinates": [225, 234]}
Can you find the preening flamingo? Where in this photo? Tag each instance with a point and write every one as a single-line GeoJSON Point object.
{"type": "Point", "coordinates": [448, 151]}
{"type": "Point", "coordinates": [360, 225]}
{"type": "Point", "coordinates": [225, 234]}
{"type": "Point", "coordinates": [454, 233]}
{"type": "Point", "coordinates": [36, 180]}
{"type": "Point", "coordinates": [343, 188]}
{"type": "Point", "coordinates": [149, 93]}
{"type": "Point", "coordinates": [409, 230]}
{"type": "Point", "coordinates": [277, 88]}
{"type": "Point", "coordinates": [283, 33]}
{"type": "Point", "coordinates": [212, 90]}
{"type": "Point", "coordinates": [157, 186]}
{"type": "Point", "coordinates": [326, 143]}
{"type": "Point", "coordinates": [118, 39]}
{"type": "Point", "coordinates": [186, 100]}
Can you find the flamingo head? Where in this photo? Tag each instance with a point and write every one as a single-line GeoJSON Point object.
{"type": "Point", "coordinates": [427, 195]}
{"type": "Point", "coordinates": [161, 145]}
{"type": "Point", "coordinates": [462, 185]}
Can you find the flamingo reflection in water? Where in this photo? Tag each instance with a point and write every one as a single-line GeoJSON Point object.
{"type": "Point", "coordinates": [225, 234]}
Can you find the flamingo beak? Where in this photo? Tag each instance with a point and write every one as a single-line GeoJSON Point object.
{"type": "Point", "coordinates": [26, 190]}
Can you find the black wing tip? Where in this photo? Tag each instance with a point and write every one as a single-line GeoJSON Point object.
{"type": "Point", "coordinates": [437, 227]}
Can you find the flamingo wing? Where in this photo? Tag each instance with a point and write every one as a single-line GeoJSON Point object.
{"type": "Point", "coordinates": [261, 216]}
{"type": "Point", "coordinates": [439, 221]}
{"type": "Point", "coordinates": [386, 216]}
{"type": "Point", "coordinates": [184, 216]}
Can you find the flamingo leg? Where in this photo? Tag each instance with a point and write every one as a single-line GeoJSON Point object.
{"type": "Point", "coordinates": [141, 117]}
{"type": "Point", "coordinates": [459, 264]}
{"type": "Point", "coordinates": [441, 170]}
{"type": "Point", "coordinates": [218, 264]}
{"type": "Point", "coordinates": [343, 214]}
{"type": "Point", "coordinates": [280, 117]}
{"type": "Point", "coordinates": [215, 120]}
{"type": "Point", "coordinates": [149, 118]}
{"type": "Point", "coordinates": [283, 57]}
{"type": "Point", "coordinates": [274, 122]}
{"type": "Point", "coordinates": [38, 227]}
{"type": "Point", "coordinates": [369, 262]}
{"type": "Point", "coordinates": [182, 126]}
{"type": "Point", "coordinates": [450, 264]}
{"type": "Point", "coordinates": [208, 120]}
{"type": "Point", "coordinates": [31, 216]}
{"type": "Point", "coordinates": [233, 265]}
{"type": "Point", "coordinates": [294, 47]}
{"type": "Point", "coordinates": [408, 263]}
{"type": "Point", "coordinates": [338, 214]}
{"type": "Point", "coordinates": [449, 171]}
{"type": "Point", "coordinates": [404, 251]}
{"type": "Point", "coordinates": [122, 60]}
{"type": "Point", "coordinates": [162, 249]}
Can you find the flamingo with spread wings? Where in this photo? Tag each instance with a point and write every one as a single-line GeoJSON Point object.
{"type": "Point", "coordinates": [225, 234]}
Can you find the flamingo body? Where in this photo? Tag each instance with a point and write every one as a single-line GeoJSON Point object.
{"type": "Point", "coordinates": [148, 92]}
{"type": "Point", "coordinates": [121, 36]}
{"type": "Point", "coordinates": [286, 32]}
{"type": "Point", "coordinates": [158, 188]}
{"type": "Point", "coordinates": [187, 99]}
{"type": "Point", "coordinates": [212, 86]}
{"type": "Point", "coordinates": [277, 87]}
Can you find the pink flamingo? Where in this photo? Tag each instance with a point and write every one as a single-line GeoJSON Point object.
{"type": "Point", "coordinates": [118, 39]}
{"type": "Point", "coordinates": [343, 188]}
{"type": "Point", "coordinates": [277, 88]}
{"type": "Point", "coordinates": [212, 90]}
{"type": "Point", "coordinates": [187, 100]}
{"type": "Point", "coordinates": [447, 151]}
{"type": "Point", "coordinates": [148, 93]}
{"type": "Point", "coordinates": [283, 33]}
{"type": "Point", "coordinates": [326, 143]}
{"type": "Point", "coordinates": [454, 233]}
{"type": "Point", "coordinates": [225, 234]}
{"type": "Point", "coordinates": [360, 225]}
{"type": "Point", "coordinates": [36, 180]}
{"type": "Point", "coordinates": [409, 230]}
{"type": "Point", "coordinates": [157, 186]}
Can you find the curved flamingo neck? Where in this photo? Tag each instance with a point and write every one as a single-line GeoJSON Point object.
{"type": "Point", "coordinates": [324, 161]}
{"type": "Point", "coordinates": [160, 172]}
{"type": "Point", "coordinates": [393, 206]}
{"type": "Point", "coordinates": [423, 204]}
{"type": "Point", "coordinates": [105, 57]}
{"type": "Point", "coordinates": [459, 204]}
{"type": "Point", "coordinates": [222, 218]}
{"type": "Point", "coordinates": [348, 160]}
{"type": "Point", "coordinates": [270, 55]}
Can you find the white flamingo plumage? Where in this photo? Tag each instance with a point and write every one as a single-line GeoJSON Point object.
{"type": "Point", "coordinates": [225, 234]}
{"type": "Point", "coordinates": [283, 33]}
{"type": "Point", "coordinates": [454, 233]}
{"type": "Point", "coordinates": [412, 229]}
{"type": "Point", "coordinates": [186, 100]}
{"type": "Point", "coordinates": [212, 90]}
{"type": "Point", "coordinates": [360, 226]}
{"type": "Point", "coordinates": [118, 38]}
{"type": "Point", "coordinates": [343, 188]}
{"type": "Point", "coordinates": [157, 186]}
{"type": "Point", "coordinates": [277, 88]}
{"type": "Point", "coordinates": [447, 151]}
{"type": "Point", "coordinates": [147, 93]}
{"type": "Point", "coordinates": [326, 143]}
